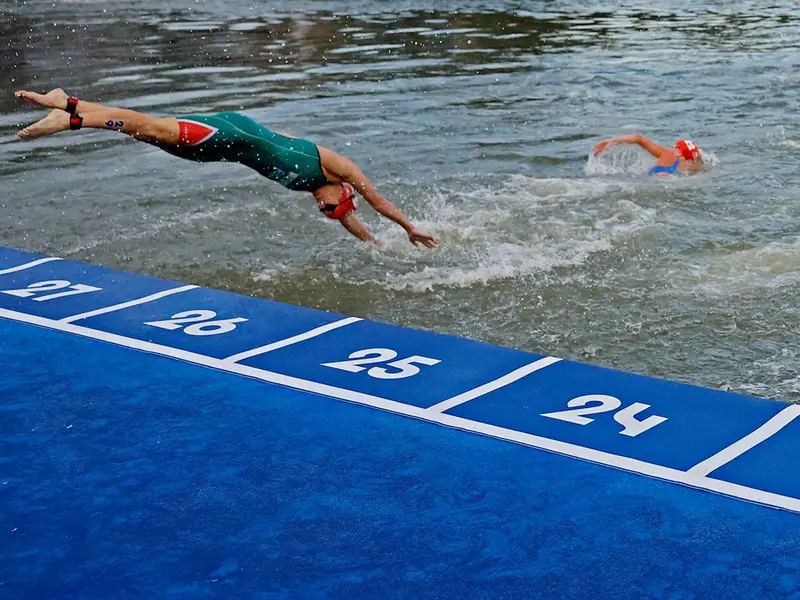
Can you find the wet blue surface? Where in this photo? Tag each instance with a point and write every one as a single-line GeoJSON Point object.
{"type": "Point", "coordinates": [462, 364]}
{"type": "Point", "coordinates": [774, 460]}
{"type": "Point", "coordinates": [255, 321]}
{"type": "Point", "coordinates": [699, 422]}
{"type": "Point", "coordinates": [124, 474]}
{"type": "Point", "coordinates": [665, 423]}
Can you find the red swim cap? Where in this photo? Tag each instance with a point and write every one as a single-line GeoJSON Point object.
{"type": "Point", "coordinates": [688, 150]}
{"type": "Point", "coordinates": [347, 203]}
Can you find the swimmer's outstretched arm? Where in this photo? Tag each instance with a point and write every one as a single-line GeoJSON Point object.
{"type": "Point", "coordinates": [354, 225]}
{"type": "Point", "coordinates": [346, 170]}
{"type": "Point", "coordinates": [656, 150]}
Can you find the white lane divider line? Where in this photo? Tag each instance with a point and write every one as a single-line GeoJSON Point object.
{"type": "Point", "coordinates": [603, 458]}
{"type": "Point", "coordinates": [484, 389]}
{"type": "Point", "coordinates": [751, 440]}
{"type": "Point", "coordinates": [28, 265]}
{"type": "Point", "coordinates": [620, 462]}
{"type": "Point", "coordinates": [312, 333]}
{"type": "Point", "coordinates": [215, 363]}
{"type": "Point", "coordinates": [128, 304]}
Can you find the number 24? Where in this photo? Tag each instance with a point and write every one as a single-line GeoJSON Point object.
{"type": "Point", "coordinates": [625, 417]}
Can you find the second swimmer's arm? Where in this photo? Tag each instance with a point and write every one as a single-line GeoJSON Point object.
{"type": "Point", "coordinates": [633, 138]}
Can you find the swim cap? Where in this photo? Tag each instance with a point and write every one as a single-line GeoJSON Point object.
{"type": "Point", "coordinates": [688, 150]}
{"type": "Point", "coordinates": [347, 203]}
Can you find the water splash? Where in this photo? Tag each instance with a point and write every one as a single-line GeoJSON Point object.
{"type": "Point", "coordinates": [738, 270]}
{"type": "Point", "coordinates": [619, 160]}
{"type": "Point", "coordinates": [523, 228]}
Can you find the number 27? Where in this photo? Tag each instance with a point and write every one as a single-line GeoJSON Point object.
{"type": "Point", "coordinates": [35, 289]}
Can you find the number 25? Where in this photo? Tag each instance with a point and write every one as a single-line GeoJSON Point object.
{"type": "Point", "coordinates": [405, 366]}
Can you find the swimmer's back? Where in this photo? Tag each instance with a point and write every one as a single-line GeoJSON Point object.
{"type": "Point", "coordinates": [666, 170]}
{"type": "Point", "coordinates": [232, 137]}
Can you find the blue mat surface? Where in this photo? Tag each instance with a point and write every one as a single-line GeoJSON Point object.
{"type": "Point", "coordinates": [143, 461]}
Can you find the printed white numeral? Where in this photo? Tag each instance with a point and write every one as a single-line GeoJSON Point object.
{"type": "Point", "coordinates": [625, 417]}
{"type": "Point", "coordinates": [607, 404]}
{"type": "Point", "coordinates": [362, 357]}
{"type": "Point", "coordinates": [406, 367]}
{"type": "Point", "coordinates": [189, 316]}
{"type": "Point", "coordinates": [202, 323]}
{"type": "Point", "coordinates": [49, 286]}
{"type": "Point", "coordinates": [633, 427]}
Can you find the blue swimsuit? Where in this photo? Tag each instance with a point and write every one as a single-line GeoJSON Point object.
{"type": "Point", "coordinates": [671, 170]}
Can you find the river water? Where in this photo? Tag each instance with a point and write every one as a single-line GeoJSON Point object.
{"type": "Point", "coordinates": [477, 119]}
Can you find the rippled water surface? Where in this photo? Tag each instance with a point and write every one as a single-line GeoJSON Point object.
{"type": "Point", "coordinates": [477, 119]}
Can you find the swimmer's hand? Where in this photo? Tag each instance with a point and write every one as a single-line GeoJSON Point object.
{"type": "Point", "coordinates": [416, 237]}
{"type": "Point", "coordinates": [604, 145]}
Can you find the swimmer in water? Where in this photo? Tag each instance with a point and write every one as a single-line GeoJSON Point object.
{"type": "Point", "coordinates": [683, 157]}
{"type": "Point", "coordinates": [296, 164]}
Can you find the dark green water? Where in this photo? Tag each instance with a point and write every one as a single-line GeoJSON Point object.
{"type": "Point", "coordinates": [477, 119]}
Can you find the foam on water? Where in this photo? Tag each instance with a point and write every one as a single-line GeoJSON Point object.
{"type": "Point", "coordinates": [619, 160]}
{"type": "Point", "coordinates": [730, 270]}
{"type": "Point", "coordinates": [789, 144]}
{"type": "Point", "coordinates": [762, 374]}
{"type": "Point", "coordinates": [526, 226]}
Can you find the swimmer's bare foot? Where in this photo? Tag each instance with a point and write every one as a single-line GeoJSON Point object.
{"type": "Point", "coordinates": [56, 98]}
{"type": "Point", "coordinates": [57, 120]}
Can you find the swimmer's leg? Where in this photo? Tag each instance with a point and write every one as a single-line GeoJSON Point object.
{"type": "Point", "coordinates": [137, 125]}
{"type": "Point", "coordinates": [96, 116]}
{"type": "Point", "coordinates": [140, 126]}
{"type": "Point", "coordinates": [56, 98]}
